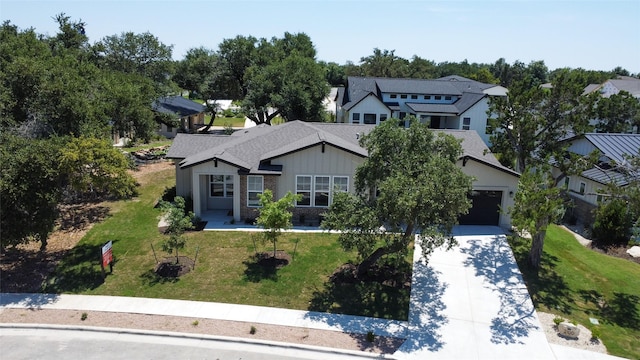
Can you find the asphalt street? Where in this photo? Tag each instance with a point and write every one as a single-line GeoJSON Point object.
{"type": "Point", "coordinates": [53, 343]}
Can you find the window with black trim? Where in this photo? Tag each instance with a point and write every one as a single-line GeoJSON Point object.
{"type": "Point", "coordinates": [369, 118]}
{"type": "Point", "coordinates": [403, 96]}
{"type": "Point", "coordinates": [355, 118]}
{"type": "Point", "coordinates": [393, 96]}
{"type": "Point", "coordinates": [221, 186]}
{"type": "Point", "coordinates": [383, 117]}
{"type": "Point", "coordinates": [414, 97]}
{"type": "Point", "coordinates": [466, 123]}
{"type": "Point", "coordinates": [583, 187]}
{"type": "Point", "coordinates": [438, 97]}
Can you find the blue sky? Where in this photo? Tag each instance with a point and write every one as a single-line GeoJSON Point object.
{"type": "Point", "coordinates": [595, 35]}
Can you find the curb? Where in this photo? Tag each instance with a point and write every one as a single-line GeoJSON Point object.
{"type": "Point", "coordinates": [202, 337]}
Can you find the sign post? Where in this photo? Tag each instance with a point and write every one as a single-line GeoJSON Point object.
{"type": "Point", "coordinates": [107, 257]}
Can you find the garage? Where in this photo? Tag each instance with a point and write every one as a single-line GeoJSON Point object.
{"type": "Point", "coordinates": [485, 208]}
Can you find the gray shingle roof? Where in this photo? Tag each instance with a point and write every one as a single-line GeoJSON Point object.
{"type": "Point", "coordinates": [250, 148]}
{"type": "Point", "coordinates": [469, 91]}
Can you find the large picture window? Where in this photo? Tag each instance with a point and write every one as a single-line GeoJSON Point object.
{"type": "Point", "coordinates": [318, 190]}
{"type": "Point", "coordinates": [369, 119]}
{"type": "Point", "coordinates": [221, 186]}
{"type": "Point", "coordinates": [255, 187]}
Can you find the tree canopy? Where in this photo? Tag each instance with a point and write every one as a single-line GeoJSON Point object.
{"type": "Point", "coordinates": [408, 184]}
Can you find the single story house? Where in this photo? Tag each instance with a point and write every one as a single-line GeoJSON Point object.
{"type": "Point", "coordinates": [227, 172]}
{"type": "Point", "coordinates": [451, 102]}
{"type": "Point", "coordinates": [588, 189]}
{"type": "Point", "coordinates": [190, 113]}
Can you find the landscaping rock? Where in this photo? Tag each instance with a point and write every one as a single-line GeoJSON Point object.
{"type": "Point", "coordinates": [634, 251]}
{"type": "Point", "coordinates": [568, 330]}
{"type": "Point", "coordinates": [163, 225]}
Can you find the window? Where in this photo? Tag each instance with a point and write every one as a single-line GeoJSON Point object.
{"type": "Point", "coordinates": [355, 118]}
{"type": "Point", "coordinates": [303, 187]}
{"type": "Point", "coordinates": [393, 96]}
{"type": "Point", "coordinates": [403, 96]}
{"type": "Point", "coordinates": [255, 186]}
{"type": "Point", "coordinates": [402, 115]}
{"type": "Point", "coordinates": [414, 97]}
{"type": "Point", "coordinates": [466, 123]}
{"type": "Point", "coordinates": [427, 97]}
{"type": "Point", "coordinates": [169, 128]}
{"type": "Point", "coordinates": [321, 191]}
{"type": "Point", "coordinates": [447, 97]}
{"type": "Point", "coordinates": [566, 182]}
{"type": "Point", "coordinates": [438, 97]}
{"type": "Point", "coordinates": [340, 183]}
{"type": "Point", "coordinates": [383, 117]}
{"type": "Point", "coordinates": [221, 186]}
{"type": "Point", "coordinates": [599, 197]}
{"type": "Point", "coordinates": [369, 118]}
{"type": "Point", "coordinates": [318, 190]}
{"type": "Point", "coordinates": [582, 188]}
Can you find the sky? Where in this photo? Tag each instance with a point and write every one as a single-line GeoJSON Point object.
{"type": "Point", "coordinates": [589, 34]}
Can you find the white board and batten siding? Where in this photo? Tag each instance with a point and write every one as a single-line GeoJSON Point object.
{"type": "Point", "coordinates": [312, 161]}
{"type": "Point", "coordinates": [369, 105]}
{"type": "Point", "coordinates": [488, 178]}
{"type": "Point", "coordinates": [478, 115]}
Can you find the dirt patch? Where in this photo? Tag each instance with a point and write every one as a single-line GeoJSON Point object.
{"type": "Point", "coordinates": [170, 268]}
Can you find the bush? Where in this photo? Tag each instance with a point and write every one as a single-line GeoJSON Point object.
{"type": "Point", "coordinates": [595, 333]}
{"type": "Point", "coordinates": [253, 330]}
{"type": "Point", "coordinates": [370, 336]}
{"type": "Point", "coordinates": [557, 320]}
{"type": "Point", "coordinates": [612, 223]}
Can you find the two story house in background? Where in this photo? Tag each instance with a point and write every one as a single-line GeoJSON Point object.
{"type": "Point", "coordinates": [224, 174]}
{"type": "Point", "coordinates": [451, 102]}
{"type": "Point", "coordinates": [589, 189]}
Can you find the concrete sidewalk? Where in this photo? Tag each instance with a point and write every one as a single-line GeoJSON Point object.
{"type": "Point", "coordinates": [467, 303]}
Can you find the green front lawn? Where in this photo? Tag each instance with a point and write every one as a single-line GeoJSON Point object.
{"type": "Point", "coordinates": [578, 283]}
{"type": "Point", "coordinates": [225, 270]}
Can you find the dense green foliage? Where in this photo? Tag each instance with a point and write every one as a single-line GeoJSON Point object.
{"type": "Point", "coordinates": [612, 223]}
{"type": "Point", "coordinates": [409, 183]}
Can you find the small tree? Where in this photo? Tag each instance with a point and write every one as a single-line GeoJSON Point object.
{"type": "Point", "coordinates": [178, 221]}
{"type": "Point", "coordinates": [537, 204]}
{"type": "Point", "coordinates": [275, 216]}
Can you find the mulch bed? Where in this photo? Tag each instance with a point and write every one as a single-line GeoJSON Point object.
{"type": "Point", "coordinates": [266, 259]}
{"type": "Point", "coordinates": [384, 274]}
{"type": "Point", "coordinates": [170, 269]}
{"type": "Point", "coordinates": [616, 250]}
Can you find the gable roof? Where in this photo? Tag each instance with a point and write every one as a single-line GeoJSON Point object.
{"type": "Point", "coordinates": [177, 105]}
{"type": "Point", "coordinates": [468, 91]}
{"type": "Point", "coordinates": [615, 146]}
{"type": "Point", "coordinates": [252, 149]}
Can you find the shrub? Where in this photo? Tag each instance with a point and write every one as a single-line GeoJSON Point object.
{"type": "Point", "coordinates": [612, 223]}
{"type": "Point", "coordinates": [84, 316]}
{"type": "Point", "coordinates": [557, 320]}
{"type": "Point", "coordinates": [195, 323]}
{"type": "Point", "coordinates": [253, 330]}
{"type": "Point", "coordinates": [595, 333]}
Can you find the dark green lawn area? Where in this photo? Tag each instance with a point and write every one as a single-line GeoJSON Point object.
{"type": "Point", "coordinates": [578, 283]}
{"type": "Point", "coordinates": [225, 270]}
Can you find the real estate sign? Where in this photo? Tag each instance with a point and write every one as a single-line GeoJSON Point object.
{"type": "Point", "coordinates": [107, 254]}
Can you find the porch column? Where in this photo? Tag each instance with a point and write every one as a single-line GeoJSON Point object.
{"type": "Point", "coordinates": [195, 190]}
{"type": "Point", "coordinates": [236, 198]}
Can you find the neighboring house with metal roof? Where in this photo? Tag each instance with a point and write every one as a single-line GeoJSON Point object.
{"type": "Point", "coordinates": [190, 114]}
{"type": "Point", "coordinates": [451, 102]}
{"type": "Point", "coordinates": [228, 172]}
{"type": "Point", "coordinates": [588, 189]}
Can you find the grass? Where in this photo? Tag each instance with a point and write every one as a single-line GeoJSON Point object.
{"type": "Point", "coordinates": [226, 269]}
{"type": "Point", "coordinates": [578, 283]}
{"type": "Point", "coordinates": [151, 144]}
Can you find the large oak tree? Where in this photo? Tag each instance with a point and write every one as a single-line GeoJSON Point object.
{"type": "Point", "coordinates": [409, 184]}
